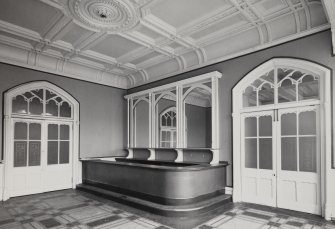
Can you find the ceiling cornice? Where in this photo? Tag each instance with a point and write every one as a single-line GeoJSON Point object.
{"type": "Point", "coordinates": [160, 49]}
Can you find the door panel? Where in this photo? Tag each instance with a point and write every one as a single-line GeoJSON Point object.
{"type": "Point", "coordinates": [58, 168]}
{"type": "Point", "coordinates": [26, 158]}
{"type": "Point", "coordinates": [258, 180]}
{"type": "Point", "coordinates": [298, 160]}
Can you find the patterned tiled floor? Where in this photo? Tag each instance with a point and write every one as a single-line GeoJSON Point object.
{"type": "Point", "coordinates": [73, 209]}
{"type": "Point", "coordinates": [246, 217]}
{"type": "Point", "coordinates": [67, 209]}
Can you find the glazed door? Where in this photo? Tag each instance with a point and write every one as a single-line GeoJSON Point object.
{"type": "Point", "coordinates": [26, 162]}
{"type": "Point", "coordinates": [281, 158]}
{"type": "Point", "coordinates": [298, 160]}
{"type": "Point", "coordinates": [258, 158]}
{"type": "Point", "coordinates": [41, 158]}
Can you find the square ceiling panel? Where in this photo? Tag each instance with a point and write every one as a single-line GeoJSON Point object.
{"type": "Point", "coordinates": [145, 58]}
{"type": "Point", "coordinates": [36, 18]}
{"type": "Point", "coordinates": [115, 46]}
{"type": "Point", "coordinates": [148, 32]}
{"type": "Point", "coordinates": [75, 33]}
{"type": "Point", "coordinates": [180, 12]}
{"type": "Point", "coordinates": [268, 7]}
{"type": "Point", "coordinates": [226, 24]}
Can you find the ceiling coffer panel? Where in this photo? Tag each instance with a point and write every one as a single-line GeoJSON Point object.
{"type": "Point", "coordinates": [126, 43]}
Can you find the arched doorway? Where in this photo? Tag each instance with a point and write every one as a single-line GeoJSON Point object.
{"type": "Point", "coordinates": [281, 140]}
{"type": "Point", "coordinates": [41, 140]}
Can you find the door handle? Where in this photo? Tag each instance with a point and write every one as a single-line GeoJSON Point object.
{"type": "Point", "coordinates": [274, 174]}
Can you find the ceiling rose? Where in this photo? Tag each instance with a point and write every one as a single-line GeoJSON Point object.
{"type": "Point", "coordinates": [102, 15]}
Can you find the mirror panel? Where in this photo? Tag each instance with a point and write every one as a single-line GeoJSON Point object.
{"type": "Point", "coordinates": [166, 120]}
{"type": "Point", "coordinates": [141, 122]}
{"type": "Point", "coordinates": [197, 104]}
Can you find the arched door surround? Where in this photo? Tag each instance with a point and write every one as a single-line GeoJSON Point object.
{"type": "Point", "coordinates": [282, 136]}
{"type": "Point", "coordinates": [41, 139]}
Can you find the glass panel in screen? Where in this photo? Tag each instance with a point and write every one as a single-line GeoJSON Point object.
{"type": "Point", "coordinates": [265, 125]}
{"type": "Point", "coordinates": [20, 153]}
{"type": "Point", "coordinates": [52, 152]}
{"type": "Point", "coordinates": [308, 87]}
{"type": "Point", "coordinates": [34, 153]}
{"type": "Point", "coordinates": [36, 106]}
{"type": "Point", "coordinates": [289, 153]}
{"type": "Point", "coordinates": [52, 131]}
{"type": "Point", "coordinates": [65, 110]}
{"type": "Point", "coordinates": [20, 131]}
{"type": "Point", "coordinates": [19, 105]}
{"type": "Point", "coordinates": [307, 154]}
{"type": "Point", "coordinates": [251, 153]}
{"type": "Point", "coordinates": [307, 123]}
{"type": "Point", "coordinates": [64, 132]}
{"type": "Point", "coordinates": [288, 124]}
{"type": "Point", "coordinates": [266, 89]}
{"type": "Point", "coordinates": [142, 124]}
{"type": "Point", "coordinates": [64, 152]}
{"type": "Point", "coordinates": [35, 131]}
{"type": "Point", "coordinates": [249, 97]}
{"type": "Point", "coordinates": [198, 115]}
{"type": "Point", "coordinates": [265, 153]}
{"type": "Point", "coordinates": [286, 86]}
{"type": "Point", "coordinates": [51, 108]}
{"type": "Point", "coordinates": [250, 126]}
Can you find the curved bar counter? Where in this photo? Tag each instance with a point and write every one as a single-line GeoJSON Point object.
{"type": "Point", "coordinates": [157, 181]}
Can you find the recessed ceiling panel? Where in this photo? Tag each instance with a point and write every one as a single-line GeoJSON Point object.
{"type": "Point", "coordinates": [225, 25]}
{"type": "Point", "coordinates": [30, 14]}
{"type": "Point", "coordinates": [75, 34]}
{"type": "Point", "coordinates": [115, 46]}
{"type": "Point", "coordinates": [181, 12]}
{"type": "Point", "coordinates": [148, 32]}
{"type": "Point", "coordinates": [145, 58]}
{"type": "Point", "coordinates": [268, 7]}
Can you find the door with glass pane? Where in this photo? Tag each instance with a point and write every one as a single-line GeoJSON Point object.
{"type": "Point", "coordinates": [27, 159]}
{"type": "Point", "coordinates": [41, 158]}
{"type": "Point", "coordinates": [58, 166]}
{"type": "Point", "coordinates": [258, 158]}
{"type": "Point", "coordinates": [298, 160]}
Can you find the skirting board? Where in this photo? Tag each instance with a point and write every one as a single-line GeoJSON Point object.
{"type": "Point", "coordinates": [229, 190]}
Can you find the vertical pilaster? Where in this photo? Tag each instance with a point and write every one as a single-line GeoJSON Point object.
{"type": "Point", "coordinates": [215, 121]}
{"type": "Point", "coordinates": [128, 124]}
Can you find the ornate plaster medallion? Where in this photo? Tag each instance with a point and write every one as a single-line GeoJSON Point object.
{"type": "Point", "coordinates": [102, 15]}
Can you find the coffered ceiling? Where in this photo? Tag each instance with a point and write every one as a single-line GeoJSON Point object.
{"type": "Point", "coordinates": [126, 43]}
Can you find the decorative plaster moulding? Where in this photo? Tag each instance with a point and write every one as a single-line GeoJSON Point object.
{"type": "Point", "coordinates": [102, 15]}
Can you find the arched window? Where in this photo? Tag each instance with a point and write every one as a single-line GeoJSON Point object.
{"type": "Point", "coordinates": [281, 85]}
{"type": "Point", "coordinates": [168, 128]}
{"type": "Point", "coordinates": [42, 102]}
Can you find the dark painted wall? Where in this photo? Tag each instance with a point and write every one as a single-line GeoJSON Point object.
{"type": "Point", "coordinates": [315, 48]}
{"type": "Point", "coordinates": [102, 109]}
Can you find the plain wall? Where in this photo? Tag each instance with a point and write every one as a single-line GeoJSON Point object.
{"type": "Point", "coordinates": [315, 48]}
{"type": "Point", "coordinates": [102, 109]}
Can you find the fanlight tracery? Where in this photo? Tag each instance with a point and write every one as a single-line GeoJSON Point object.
{"type": "Point", "coordinates": [43, 102]}
{"type": "Point", "coordinates": [281, 85]}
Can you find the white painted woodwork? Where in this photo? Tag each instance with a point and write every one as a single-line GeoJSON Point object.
{"type": "Point", "coordinates": [1, 180]}
{"type": "Point", "coordinates": [125, 54]}
{"type": "Point", "coordinates": [299, 190]}
{"type": "Point", "coordinates": [325, 205]}
{"type": "Point", "coordinates": [258, 185]}
{"type": "Point", "coordinates": [44, 177]}
{"type": "Point", "coordinates": [181, 98]}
